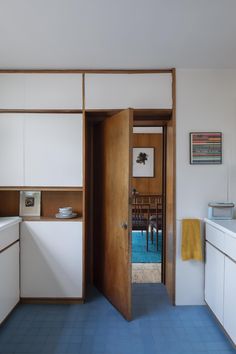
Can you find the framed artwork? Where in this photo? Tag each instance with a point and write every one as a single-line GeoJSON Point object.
{"type": "Point", "coordinates": [143, 162]}
{"type": "Point", "coordinates": [206, 148]}
{"type": "Point", "coordinates": [30, 203]}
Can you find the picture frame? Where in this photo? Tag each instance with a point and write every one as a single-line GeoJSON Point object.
{"type": "Point", "coordinates": [205, 148]}
{"type": "Point", "coordinates": [30, 203]}
{"type": "Point", "coordinates": [144, 162]}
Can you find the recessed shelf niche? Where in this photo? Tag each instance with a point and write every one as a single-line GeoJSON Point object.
{"type": "Point", "coordinates": [51, 201]}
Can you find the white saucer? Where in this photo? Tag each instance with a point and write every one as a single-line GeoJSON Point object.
{"type": "Point", "coordinates": [70, 216]}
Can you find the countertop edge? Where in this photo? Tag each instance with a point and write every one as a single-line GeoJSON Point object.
{"type": "Point", "coordinates": [220, 227]}
{"type": "Point", "coordinates": [11, 220]}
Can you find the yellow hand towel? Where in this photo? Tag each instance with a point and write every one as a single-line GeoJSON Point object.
{"type": "Point", "coordinates": [191, 239]}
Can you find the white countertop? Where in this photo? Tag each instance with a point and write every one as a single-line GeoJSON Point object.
{"type": "Point", "coordinates": [8, 221]}
{"type": "Point", "coordinates": [228, 226]}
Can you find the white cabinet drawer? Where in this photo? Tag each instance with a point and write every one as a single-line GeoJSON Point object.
{"type": "Point", "coordinates": [215, 237]}
{"type": "Point", "coordinates": [230, 246]}
{"type": "Point", "coordinates": [111, 91]}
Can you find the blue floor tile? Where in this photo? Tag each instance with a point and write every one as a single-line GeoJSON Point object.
{"type": "Point", "coordinates": [97, 328]}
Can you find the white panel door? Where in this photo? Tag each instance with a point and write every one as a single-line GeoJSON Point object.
{"type": "Point", "coordinates": [54, 91]}
{"type": "Point", "coordinates": [214, 280]}
{"type": "Point", "coordinates": [53, 150]}
{"type": "Point", "coordinates": [11, 150]}
{"type": "Point", "coordinates": [12, 91]}
{"type": "Point", "coordinates": [229, 298]}
{"type": "Point", "coordinates": [9, 280]}
{"type": "Point", "coordinates": [111, 91]}
{"type": "Point", "coordinates": [51, 259]}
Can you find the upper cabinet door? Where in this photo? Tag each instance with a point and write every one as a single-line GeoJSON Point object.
{"type": "Point", "coordinates": [11, 150]}
{"type": "Point", "coordinates": [12, 91]}
{"type": "Point", "coordinates": [53, 91]}
{"type": "Point", "coordinates": [41, 91]}
{"type": "Point", "coordinates": [111, 91]}
{"type": "Point", "coordinates": [53, 150]}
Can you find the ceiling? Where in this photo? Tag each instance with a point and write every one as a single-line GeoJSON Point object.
{"type": "Point", "coordinates": [113, 34]}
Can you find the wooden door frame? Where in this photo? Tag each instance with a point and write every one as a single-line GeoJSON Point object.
{"type": "Point", "coordinates": [166, 119]}
{"type": "Point", "coordinates": [170, 198]}
{"type": "Point", "coordinates": [168, 191]}
{"type": "Point", "coordinates": [168, 123]}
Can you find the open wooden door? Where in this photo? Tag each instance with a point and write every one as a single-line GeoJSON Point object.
{"type": "Point", "coordinates": [112, 209]}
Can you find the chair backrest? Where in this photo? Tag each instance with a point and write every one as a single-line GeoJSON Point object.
{"type": "Point", "coordinates": [140, 212]}
{"type": "Point", "coordinates": [151, 199]}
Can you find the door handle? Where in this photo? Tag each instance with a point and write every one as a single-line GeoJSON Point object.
{"type": "Point", "coordinates": [124, 225]}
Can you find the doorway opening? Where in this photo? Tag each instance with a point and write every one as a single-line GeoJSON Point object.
{"type": "Point", "coordinates": [147, 205]}
{"type": "Point", "coordinates": [112, 193]}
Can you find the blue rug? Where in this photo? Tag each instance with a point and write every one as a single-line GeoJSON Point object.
{"type": "Point", "coordinates": [139, 253]}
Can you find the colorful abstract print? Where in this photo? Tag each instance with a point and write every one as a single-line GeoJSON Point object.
{"type": "Point", "coordinates": [206, 148]}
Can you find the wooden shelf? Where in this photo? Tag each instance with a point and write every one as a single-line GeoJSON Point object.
{"type": "Point", "coordinates": [49, 218]}
{"type": "Point", "coordinates": [59, 189]}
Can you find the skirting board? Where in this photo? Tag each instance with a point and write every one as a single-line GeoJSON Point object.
{"type": "Point", "coordinates": [46, 300]}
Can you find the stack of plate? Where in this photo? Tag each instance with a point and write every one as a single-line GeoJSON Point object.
{"type": "Point", "coordinates": [66, 213]}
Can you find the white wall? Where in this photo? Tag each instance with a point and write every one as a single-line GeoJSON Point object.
{"type": "Point", "coordinates": [206, 101]}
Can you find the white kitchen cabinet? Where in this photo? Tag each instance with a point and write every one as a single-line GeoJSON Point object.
{"type": "Point", "coordinates": [214, 280]}
{"type": "Point", "coordinates": [220, 272]}
{"type": "Point", "coordinates": [53, 150]}
{"type": "Point", "coordinates": [9, 280]}
{"type": "Point", "coordinates": [9, 265]}
{"type": "Point", "coordinates": [111, 91]}
{"type": "Point", "coordinates": [12, 150]}
{"type": "Point", "coordinates": [215, 237]}
{"type": "Point", "coordinates": [41, 91]}
{"type": "Point", "coordinates": [53, 91]}
{"type": "Point", "coordinates": [51, 259]}
{"type": "Point", "coordinates": [12, 89]}
{"type": "Point", "coordinates": [229, 298]}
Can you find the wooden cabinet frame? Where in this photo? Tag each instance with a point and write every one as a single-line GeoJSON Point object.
{"type": "Point", "coordinates": [167, 118]}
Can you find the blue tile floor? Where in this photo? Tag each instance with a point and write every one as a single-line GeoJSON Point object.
{"type": "Point", "coordinates": [97, 328]}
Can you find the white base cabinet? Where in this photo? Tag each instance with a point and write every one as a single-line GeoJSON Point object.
{"type": "Point", "coordinates": [220, 272]}
{"type": "Point", "coordinates": [9, 280]}
{"type": "Point", "coordinates": [214, 280]}
{"type": "Point", "coordinates": [230, 298]}
{"type": "Point", "coordinates": [51, 259]}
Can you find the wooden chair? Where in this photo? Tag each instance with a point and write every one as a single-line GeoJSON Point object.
{"type": "Point", "coordinates": [140, 218]}
{"type": "Point", "coordinates": [156, 221]}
